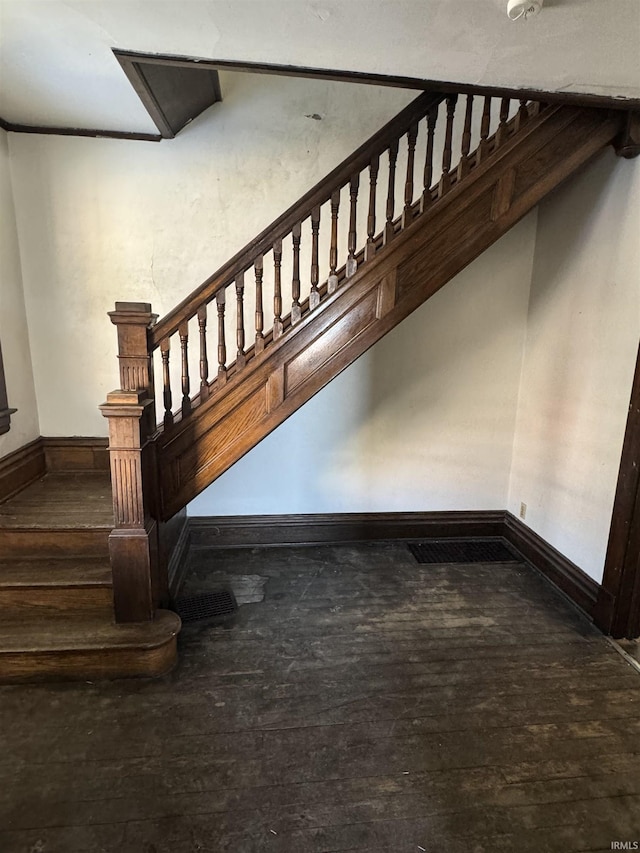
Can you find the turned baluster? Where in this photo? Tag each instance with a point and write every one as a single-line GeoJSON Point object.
{"type": "Point", "coordinates": [463, 165]}
{"type": "Point", "coordinates": [204, 361]}
{"type": "Point", "coordinates": [296, 310]}
{"type": "Point", "coordinates": [407, 213]}
{"type": "Point", "coordinates": [332, 282]}
{"type": "Point", "coordinates": [165, 346]}
{"type": "Point", "coordinates": [241, 358]}
{"type": "Point", "coordinates": [258, 267]}
{"type": "Point", "coordinates": [503, 130]}
{"type": "Point", "coordinates": [186, 384]}
{"type": "Point", "coordinates": [445, 180]}
{"type": "Point", "coordinates": [391, 192]}
{"type": "Point", "coordinates": [370, 248]}
{"type": "Point", "coordinates": [221, 297]}
{"type": "Point", "coordinates": [314, 295]}
{"type": "Point", "coordinates": [432, 118]}
{"type": "Point", "coordinates": [483, 147]}
{"type": "Point", "coordinates": [523, 114]}
{"type": "Point", "coordinates": [534, 107]}
{"type": "Point", "coordinates": [352, 264]}
{"type": "Point", "coordinates": [277, 289]}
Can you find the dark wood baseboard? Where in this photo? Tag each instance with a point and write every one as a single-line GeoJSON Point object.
{"type": "Point", "coordinates": [76, 454]}
{"type": "Point", "coordinates": [265, 530]}
{"type": "Point", "coordinates": [21, 467]}
{"type": "Point", "coordinates": [569, 578]}
{"type": "Point", "coordinates": [249, 531]}
{"type": "Point", "coordinates": [177, 552]}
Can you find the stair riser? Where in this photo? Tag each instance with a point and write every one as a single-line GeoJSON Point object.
{"type": "Point", "coordinates": [52, 601]}
{"type": "Point", "coordinates": [87, 664]}
{"type": "Point", "coordinates": [54, 543]}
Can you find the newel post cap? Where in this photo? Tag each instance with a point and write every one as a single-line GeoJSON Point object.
{"type": "Point", "coordinates": [133, 313]}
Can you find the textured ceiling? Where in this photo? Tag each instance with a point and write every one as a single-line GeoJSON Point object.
{"type": "Point", "coordinates": [57, 69]}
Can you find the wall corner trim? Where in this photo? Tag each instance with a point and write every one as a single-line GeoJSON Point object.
{"type": "Point", "coordinates": [565, 575]}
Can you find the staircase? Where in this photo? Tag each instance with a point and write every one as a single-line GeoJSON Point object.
{"type": "Point", "coordinates": [56, 587]}
{"type": "Point", "coordinates": [344, 265]}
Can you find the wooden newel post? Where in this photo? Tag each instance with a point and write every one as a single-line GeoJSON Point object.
{"type": "Point", "coordinates": [138, 588]}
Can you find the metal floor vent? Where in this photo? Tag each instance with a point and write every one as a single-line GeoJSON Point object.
{"type": "Point", "coordinates": [217, 604]}
{"type": "Point", "coordinates": [461, 551]}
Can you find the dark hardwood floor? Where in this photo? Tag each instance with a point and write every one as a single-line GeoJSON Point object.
{"type": "Point", "coordinates": [61, 500]}
{"type": "Point", "coordinates": [368, 703]}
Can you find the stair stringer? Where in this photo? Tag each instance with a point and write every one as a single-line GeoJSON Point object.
{"type": "Point", "coordinates": [416, 264]}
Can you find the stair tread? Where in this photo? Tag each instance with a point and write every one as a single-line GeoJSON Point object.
{"type": "Point", "coordinates": [69, 501]}
{"type": "Point", "coordinates": [38, 635]}
{"type": "Point", "coordinates": [63, 572]}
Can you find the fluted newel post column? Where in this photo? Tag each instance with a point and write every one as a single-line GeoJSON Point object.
{"type": "Point", "coordinates": [139, 586]}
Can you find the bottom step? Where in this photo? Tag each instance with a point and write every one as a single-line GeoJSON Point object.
{"type": "Point", "coordinates": [38, 650]}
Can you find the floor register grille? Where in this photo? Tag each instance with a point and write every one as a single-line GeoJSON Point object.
{"type": "Point", "coordinates": [462, 551]}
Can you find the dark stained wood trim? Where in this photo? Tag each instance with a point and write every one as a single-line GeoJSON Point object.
{"type": "Point", "coordinates": [160, 111]}
{"type": "Point", "coordinates": [5, 410]}
{"type": "Point", "coordinates": [142, 89]}
{"type": "Point", "coordinates": [178, 557]}
{"type": "Point", "coordinates": [22, 467]}
{"type": "Point", "coordinates": [439, 86]}
{"type": "Point", "coordinates": [618, 610]}
{"type": "Point", "coordinates": [628, 143]}
{"type": "Point", "coordinates": [80, 131]}
{"type": "Point", "coordinates": [557, 568]}
{"type": "Point", "coordinates": [237, 531]}
{"type": "Point", "coordinates": [76, 454]}
{"type": "Point", "coordinates": [88, 650]}
{"type": "Point", "coordinates": [5, 419]}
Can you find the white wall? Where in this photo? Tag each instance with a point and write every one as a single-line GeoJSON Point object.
{"type": "Point", "coordinates": [104, 220]}
{"type": "Point", "coordinates": [14, 336]}
{"type": "Point", "coordinates": [582, 341]}
{"type": "Point", "coordinates": [480, 420]}
{"type": "Point", "coordinates": [423, 421]}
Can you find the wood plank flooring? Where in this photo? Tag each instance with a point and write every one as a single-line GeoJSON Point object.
{"type": "Point", "coordinates": [368, 703]}
{"type": "Point", "coordinates": [61, 500]}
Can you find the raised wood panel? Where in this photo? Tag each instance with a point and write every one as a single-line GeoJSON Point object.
{"type": "Point", "coordinates": [197, 465]}
{"type": "Point", "coordinates": [76, 454]}
{"type": "Point", "coordinates": [330, 342]}
{"type": "Point", "coordinates": [431, 266]}
{"type": "Point", "coordinates": [419, 260]}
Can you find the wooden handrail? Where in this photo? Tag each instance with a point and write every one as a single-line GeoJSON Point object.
{"type": "Point", "coordinates": [298, 212]}
{"type": "Point", "coordinates": [200, 332]}
{"type": "Point", "coordinates": [359, 175]}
